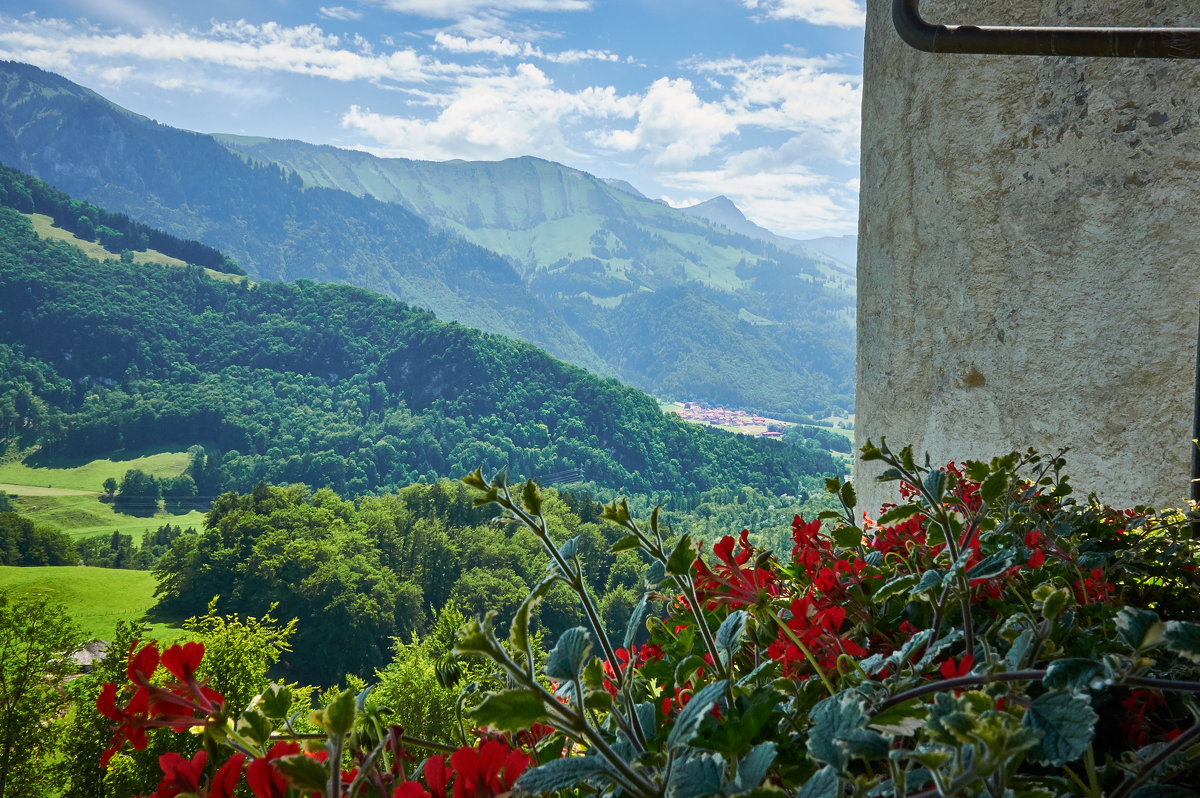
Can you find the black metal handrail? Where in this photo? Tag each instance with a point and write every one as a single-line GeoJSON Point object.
{"type": "Point", "coordinates": [1015, 40]}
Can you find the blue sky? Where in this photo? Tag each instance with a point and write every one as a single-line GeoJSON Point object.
{"type": "Point", "coordinates": [685, 99]}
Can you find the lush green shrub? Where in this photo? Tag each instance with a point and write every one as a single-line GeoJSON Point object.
{"type": "Point", "coordinates": [972, 640]}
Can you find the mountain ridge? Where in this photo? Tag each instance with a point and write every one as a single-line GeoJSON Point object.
{"type": "Point", "coordinates": [548, 254]}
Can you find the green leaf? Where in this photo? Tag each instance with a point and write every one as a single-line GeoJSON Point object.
{"type": "Point", "coordinates": [935, 485]}
{"type": "Point", "coordinates": [256, 726]}
{"type": "Point", "coordinates": [559, 774]}
{"type": "Point", "coordinates": [894, 586]}
{"type": "Point", "coordinates": [889, 475]}
{"type": "Point", "coordinates": [1162, 791]}
{"type": "Point", "coordinates": [1020, 647]}
{"type": "Point", "coordinates": [691, 716]}
{"type": "Point", "coordinates": [1140, 629]}
{"type": "Point", "coordinates": [729, 634]}
{"type": "Point", "coordinates": [1055, 603]}
{"type": "Point", "coordinates": [1077, 674]}
{"type": "Point", "coordinates": [697, 776]}
{"type": "Point", "coordinates": [992, 566]}
{"type": "Point", "coordinates": [753, 767]}
{"type": "Point", "coordinates": [276, 700]}
{"type": "Point", "coordinates": [833, 485]}
{"type": "Point", "coordinates": [509, 710]}
{"type": "Point", "coordinates": [901, 512]}
{"type": "Point", "coordinates": [835, 719]}
{"type": "Point", "coordinates": [476, 638]}
{"type": "Point", "coordinates": [902, 720]}
{"type": "Point", "coordinates": [339, 715]}
{"type": "Point", "coordinates": [303, 772]}
{"type": "Point", "coordinates": [1183, 637]}
{"type": "Point", "coordinates": [823, 784]}
{"type": "Point", "coordinates": [636, 619]}
{"type": "Point", "coordinates": [929, 580]}
{"type": "Point", "coordinates": [847, 537]}
{"type": "Point", "coordinates": [994, 487]}
{"type": "Point", "coordinates": [1067, 723]}
{"type": "Point", "coordinates": [567, 658]}
{"type": "Point", "coordinates": [687, 668]}
{"type": "Point", "coordinates": [656, 574]}
{"type": "Point", "coordinates": [847, 495]}
{"type": "Point", "coordinates": [531, 497]}
{"type": "Point", "coordinates": [681, 559]}
{"type": "Point", "coordinates": [627, 543]}
{"type": "Point", "coordinates": [475, 480]}
{"type": "Point", "coordinates": [489, 497]}
{"type": "Point", "coordinates": [977, 471]}
{"type": "Point", "coordinates": [518, 630]}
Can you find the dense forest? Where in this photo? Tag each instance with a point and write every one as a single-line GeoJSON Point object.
{"type": "Point", "coordinates": [326, 385]}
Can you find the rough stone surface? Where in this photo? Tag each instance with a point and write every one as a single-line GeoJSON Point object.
{"type": "Point", "coordinates": [1029, 250]}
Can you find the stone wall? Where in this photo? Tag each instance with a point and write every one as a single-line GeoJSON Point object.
{"type": "Point", "coordinates": [1029, 250]}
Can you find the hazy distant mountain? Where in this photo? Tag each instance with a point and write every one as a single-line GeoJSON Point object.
{"type": "Point", "coordinates": [590, 271]}
{"type": "Point", "coordinates": [843, 248]}
{"type": "Point", "coordinates": [721, 210]}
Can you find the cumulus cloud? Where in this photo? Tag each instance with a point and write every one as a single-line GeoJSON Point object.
{"type": "Point", "coordinates": [490, 117]}
{"type": "Point", "coordinates": [504, 47]}
{"type": "Point", "coordinates": [674, 125]}
{"type": "Point", "coordinates": [837, 13]}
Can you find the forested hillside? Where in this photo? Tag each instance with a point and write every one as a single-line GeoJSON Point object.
{"type": "Point", "coordinates": [327, 385]}
{"type": "Point", "coordinates": [595, 275]}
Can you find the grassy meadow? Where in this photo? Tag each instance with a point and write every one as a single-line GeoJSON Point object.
{"type": "Point", "coordinates": [95, 597]}
{"type": "Point", "coordinates": [66, 495]}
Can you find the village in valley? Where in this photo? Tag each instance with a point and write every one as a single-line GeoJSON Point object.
{"type": "Point", "coordinates": [726, 418]}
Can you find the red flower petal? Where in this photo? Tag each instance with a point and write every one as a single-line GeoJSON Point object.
{"type": "Point", "coordinates": [182, 660]}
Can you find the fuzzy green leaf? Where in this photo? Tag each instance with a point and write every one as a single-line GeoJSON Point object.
{"type": "Point", "coordinates": [339, 715]}
{"type": "Point", "coordinates": [1140, 629]}
{"type": "Point", "coordinates": [569, 654]}
{"type": "Point", "coordinates": [475, 480]}
{"type": "Point", "coordinates": [753, 767]}
{"type": "Point", "coordinates": [690, 717]}
{"type": "Point", "coordinates": [823, 784]}
{"type": "Point", "coordinates": [901, 512]}
{"type": "Point", "coordinates": [994, 487]}
{"type": "Point", "coordinates": [729, 634]}
{"type": "Point", "coordinates": [847, 537]}
{"type": "Point", "coordinates": [509, 710]}
{"type": "Point", "coordinates": [992, 566]}
{"type": "Point", "coordinates": [697, 776]}
{"type": "Point", "coordinates": [303, 772]}
{"type": "Point", "coordinates": [1067, 723]}
{"type": "Point", "coordinates": [894, 586]}
{"type": "Point", "coordinates": [276, 700]}
{"type": "Point", "coordinates": [636, 619]}
{"type": "Point", "coordinates": [627, 543]}
{"type": "Point", "coordinates": [1077, 674]}
{"type": "Point", "coordinates": [903, 719]}
{"type": "Point", "coordinates": [531, 497]}
{"type": "Point", "coordinates": [255, 725]}
{"type": "Point", "coordinates": [681, 559]}
{"type": "Point", "coordinates": [559, 774]}
{"type": "Point", "coordinates": [848, 496]}
{"type": "Point", "coordinates": [1183, 637]}
{"type": "Point", "coordinates": [835, 719]}
{"type": "Point", "coordinates": [518, 631]}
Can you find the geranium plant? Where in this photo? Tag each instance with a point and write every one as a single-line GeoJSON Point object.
{"type": "Point", "coordinates": [991, 634]}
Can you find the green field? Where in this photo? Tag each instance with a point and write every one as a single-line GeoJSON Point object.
{"type": "Point", "coordinates": [90, 475]}
{"type": "Point", "coordinates": [85, 516]}
{"type": "Point", "coordinates": [95, 597]}
{"type": "Point", "coordinates": [66, 495]}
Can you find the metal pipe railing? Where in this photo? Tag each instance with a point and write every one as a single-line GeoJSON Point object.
{"type": "Point", "coordinates": [1002, 40]}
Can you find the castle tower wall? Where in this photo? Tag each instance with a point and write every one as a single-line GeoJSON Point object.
{"type": "Point", "coordinates": [1029, 250]}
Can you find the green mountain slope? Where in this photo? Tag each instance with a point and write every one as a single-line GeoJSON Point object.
{"type": "Point", "coordinates": [322, 384]}
{"type": "Point", "coordinates": [524, 247]}
{"type": "Point", "coordinates": [190, 186]}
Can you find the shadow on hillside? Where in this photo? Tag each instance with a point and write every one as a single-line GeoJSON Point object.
{"type": "Point", "coordinates": [44, 459]}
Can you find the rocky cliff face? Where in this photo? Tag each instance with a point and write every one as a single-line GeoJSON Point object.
{"type": "Point", "coordinates": [1027, 258]}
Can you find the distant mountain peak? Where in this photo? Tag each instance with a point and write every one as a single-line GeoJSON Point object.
{"type": "Point", "coordinates": [623, 185]}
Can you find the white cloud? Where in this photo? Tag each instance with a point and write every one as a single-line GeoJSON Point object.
{"type": "Point", "coordinates": [456, 9]}
{"type": "Point", "coordinates": [497, 116]}
{"type": "Point", "coordinates": [504, 47]}
{"type": "Point", "coordinates": [795, 94]}
{"type": "Point", "coordinates": [674, 126]}
{"type": "Point", "coordinates": [270, 47]}
{"type": "Point", "coordinates": [837, 13]}
{"type": "Point", "coordinates": [340, 12]}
